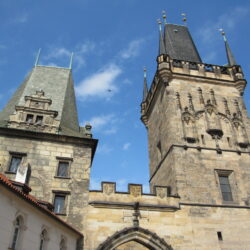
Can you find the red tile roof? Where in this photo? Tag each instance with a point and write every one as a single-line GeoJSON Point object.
{"type": "Point", "coordinates": [32, 200]}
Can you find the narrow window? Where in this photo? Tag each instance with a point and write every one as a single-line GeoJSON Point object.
{"type": "Point", "coordinates": [43, 240]}
{"type": "Point", "coordinates": [229, 142]}
{"type": "Point", "coordinates": [225, 188]}
{"type": "Point", "coordinates": [63, 169]}
{"type": "Point", "coordinates": [63, 244]}
{"type": "Point", "coordinates": [59, 204]}
{"type": "Point", "coordinates": [39, 120]}
{"type": "Point", "coordinates": [203, 139]}
{"type": "Point", "coordinates": [29, 118]}
{"type": "Point", "coordinates": [16, 233]}
{"type": "Point", "coordinates": [159, 152]}
{"type": "Point", "coordinates": [219, 234]}
{"type": "Point", "coordinates": [14, 163]}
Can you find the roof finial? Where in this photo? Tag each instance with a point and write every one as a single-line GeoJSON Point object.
{"type": "Point", "coordinates": [162, 50]}
{"type": "Point", "coordinates": [71, 60]}
{"type": "Point", "coordinates": [37, 57]}
{"type": "Point", "coordinates": [164, 17]}
{"type": "Point", "coordinates": [184, 18]}
{"type": "Point", "coordinates": [145, 85]}
{"type": "Point", "coordinates": [159, 23]}
{"type": "Point", "coordinates": [230, 57]}
{"type": "Point", "coordinates": [223, 34]}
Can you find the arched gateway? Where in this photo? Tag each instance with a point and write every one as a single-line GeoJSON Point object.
{"type": "Point", "coordinates": [134, 238]}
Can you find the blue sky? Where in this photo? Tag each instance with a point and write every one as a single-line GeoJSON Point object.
{"type": "Point", "coordinates": [112, 41]}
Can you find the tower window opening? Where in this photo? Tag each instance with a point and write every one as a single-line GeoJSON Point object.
{"type": "Point", "coordinates": [225, 188]}
{"type": "Point", "coordinates": [39, 120]}
{"type": "Point", "coordinates": [29, 118]}
{"type": "Point", "coordinates": [219, 234]}
{"type": "Point", "coordinates": [14, 163]}
{"type": "Point", "coordinates": [59, 204]}
{"type": "Point", "coordinates": [63, 169]}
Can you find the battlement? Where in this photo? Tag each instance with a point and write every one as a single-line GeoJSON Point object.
{"type": "Point", "coordinates": [169, 68]}
{"type": "Point", "coordinates": [109, 197]}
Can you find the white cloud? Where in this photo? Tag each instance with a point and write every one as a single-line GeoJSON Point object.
{"type": "Point", "coordinates": [106, 124]}
{"type": "Point", "coordinates": [101, 84]}
{"type": "Point", "coordinates": [133, 49]}
{"type": "Point", "coordinates": [227, 21]}
{"type": "Point", "coordinates": [104, 149]}
{"type": "Point", "coordinates": [23, 18]}
{"type": "Point", "coordinates": [79, 51]}
{"type": "Point", "coordinates": [126, 146]}
{"type": "Point", "coordinates": [97, 122]}
{"type": "Point", "coordinates": [110, 131]}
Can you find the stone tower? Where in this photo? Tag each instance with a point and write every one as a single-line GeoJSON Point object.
{"type": "Point", "coordinates": [197, 124]}
{"type": "Point", "coordinates": [39, 127]}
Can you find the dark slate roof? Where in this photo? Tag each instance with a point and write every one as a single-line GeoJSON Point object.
{"type": "Point", "coordinates": [57, 84]}
{"type": "Point", "coordinates": [179, 43]}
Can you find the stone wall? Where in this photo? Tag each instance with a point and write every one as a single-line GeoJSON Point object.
{"type": "Point", "coordinates": [181, 226]}
{"type": "Point", "coordinates": [33, 222]}
{"type": "Point", "coordinates": [43, 157]}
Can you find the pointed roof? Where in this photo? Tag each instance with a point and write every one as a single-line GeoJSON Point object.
{"type": "Point", "coordinates": [162, 49]}
{"type": "Point", "coordinates": [179, 43]}
{"type": "Point", "coordinates": [145, 86]}
{"type": "Point", "coordinates": [230, 58]}
{"type": "Point", "coordinates": [57, 84]}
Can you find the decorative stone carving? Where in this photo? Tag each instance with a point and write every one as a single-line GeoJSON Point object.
{"type": "Point", "coordinates": [188, 126]}
{"type": "Point", "coordinates": [240, 131]}
{"type": "Point", "coordinates": [213, 122]}
{"type": "Point", "coordinates": [35, 115]}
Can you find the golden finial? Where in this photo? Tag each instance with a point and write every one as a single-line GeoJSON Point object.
{"type": "Point", "coordinates": [164, 16]}
{"type": "Point", "coordinates": [223, 34]}
{"type": "Point", "coordinates": [184, 18]}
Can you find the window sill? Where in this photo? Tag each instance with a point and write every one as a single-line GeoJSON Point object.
{"type": "Point", "coordinates": [9, 172]}
{"type": "Point", "coordinates": [62, 177]}
{"type": "Point", "coordinates": [230, 203]}
{"type": "Point", "coordinates": [61, 214]}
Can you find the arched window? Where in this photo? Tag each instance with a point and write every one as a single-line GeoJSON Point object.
{"type": "Point", "coordinates": [43, 240]}
{"type": "Point", "coordinates": [17, 233]}
{"type": "Point", "coordinates": [63, 244]}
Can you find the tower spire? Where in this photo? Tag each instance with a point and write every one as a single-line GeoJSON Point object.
{"type": "Point", "coordinates": [145, 85]}
{"type": "Point", "coordinates": [162, 50]}
{"type": "Point", "coordinates": [230, 57]}
{"type": "Point", "coordinates": [38, 57]}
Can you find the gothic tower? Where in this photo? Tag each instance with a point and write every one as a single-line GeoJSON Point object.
{"type": "Point", "coordinates": [39, 128]}
{"type": "Point", "coordinates": [197, 124]}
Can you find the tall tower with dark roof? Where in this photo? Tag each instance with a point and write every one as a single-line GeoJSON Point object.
{"type": "Point", "coordinates": [39, 128]}
{"type": "Point", "coordinates": [197, 124]}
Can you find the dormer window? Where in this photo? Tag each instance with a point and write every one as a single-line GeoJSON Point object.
{"type": "Point", "coordinates": [39, 120]}
{"type": "Point", "coordinates": [29, 118]}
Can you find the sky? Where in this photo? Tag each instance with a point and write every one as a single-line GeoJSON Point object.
{"type": "Point", "coordinates": [112, 40]}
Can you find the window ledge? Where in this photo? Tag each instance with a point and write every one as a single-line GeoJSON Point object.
{"type": "Point", "coordinates": [9, 172]}
{"type": "Point", "coordinates": [62, 177]}
{"type": "Point", "coordinates": [61, 214]}
{"type": "Point", "coordinates": [230, 203]}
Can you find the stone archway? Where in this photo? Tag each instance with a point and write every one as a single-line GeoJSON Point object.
{"type": "Point", "coordinates": [134, 238]}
